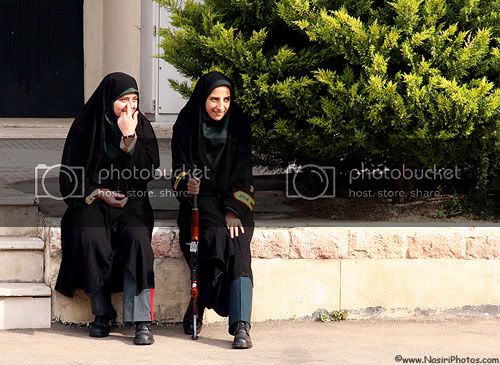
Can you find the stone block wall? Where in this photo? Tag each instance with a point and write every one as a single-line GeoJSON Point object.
{"type": "Point", "coordinates": [298, 270]}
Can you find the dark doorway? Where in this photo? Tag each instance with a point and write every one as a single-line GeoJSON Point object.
{"type": "Point", "coordinates": [41, 58]}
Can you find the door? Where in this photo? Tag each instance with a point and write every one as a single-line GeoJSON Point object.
{"type": "Point", "coordinates": [41, 58]}
{"type": "Point", "coordinates": [169, 100]}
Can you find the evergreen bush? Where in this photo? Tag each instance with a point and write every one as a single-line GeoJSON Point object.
{"type": "Point", "coordinates": [411, 82]}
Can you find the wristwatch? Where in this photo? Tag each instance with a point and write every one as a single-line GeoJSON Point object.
{"type": "Point", "coordinates": [131, 136]}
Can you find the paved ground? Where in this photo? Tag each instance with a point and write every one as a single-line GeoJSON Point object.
{"type": "Point", "coordinates": [276, 342]}
{"type": "Point", "coordinates": [55, 128]}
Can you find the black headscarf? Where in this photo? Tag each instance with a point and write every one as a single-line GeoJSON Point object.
{"type": "Point", "coordinates": [214, 132]}
{"type": "Point", "coordinates": [211, 135]}
{"type": "Point", "coordinates": [94, 136]}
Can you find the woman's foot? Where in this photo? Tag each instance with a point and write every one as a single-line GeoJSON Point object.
{"type": "Point", "coordinates": [102, 324]}
{"type": "Point", "coordinates": [187, 321]}
{"type": "Point", "coordinates": [242, 338]}
{"type": "Point", "coordinates": [143, 334]}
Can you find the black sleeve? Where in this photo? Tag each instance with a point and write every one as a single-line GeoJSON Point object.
{"type": "Point", "coordinates": [145, 156]}
{"type": "Point", "coordinates": [181, 164]}
{"type": "Point", "coordinates": [74, 181]}
{"type": "Point", "coordinates": [240, 196]}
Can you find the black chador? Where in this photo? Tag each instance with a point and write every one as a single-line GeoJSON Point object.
{"type": "Point", "coordinates": [220, 152]}
{"type": "Point", "coordinates": [101, 244]}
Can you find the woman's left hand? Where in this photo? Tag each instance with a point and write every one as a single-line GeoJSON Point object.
{"type": "Point", "coordinates": [127, 122]}
{"type": "Point", "coordinates": [233, 224]}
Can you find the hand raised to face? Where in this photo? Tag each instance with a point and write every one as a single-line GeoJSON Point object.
{"type": "Point", "coordinates": [125, 109]}
{"type": "Point", "coordinates": [127, 122]}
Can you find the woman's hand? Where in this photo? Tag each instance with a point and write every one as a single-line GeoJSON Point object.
{"type": "Point", "coordinates": [127, 122]}
{"type": "Point", "coordinates": [112, 198]}
{"type": "Point", "coordinates": [193, 186]}
{"type": "Point", "coordinates": [233, 224]}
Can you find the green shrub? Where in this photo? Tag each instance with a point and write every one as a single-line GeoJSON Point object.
{"type": "Point", "coordinates": [335, 82]}
{"type": "Point", "coordinates": [333, 316]}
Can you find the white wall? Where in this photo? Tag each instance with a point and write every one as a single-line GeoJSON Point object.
{"type": "Point", "coordinates": [158, 99]}
{"type": "Point", "coordinates": [112, 40]}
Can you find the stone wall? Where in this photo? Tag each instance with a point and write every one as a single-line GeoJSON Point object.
{"type": "Point", "coordinates": [298, 270]}
{"type": "Point", "coordinates": [358, 242]}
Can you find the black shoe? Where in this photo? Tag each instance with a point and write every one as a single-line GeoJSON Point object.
{"type": "Point", "coordinates": [143, 334]}
{"type": "Point", "coordinates": [242, 338]}
{"type": "Point", "coordinates": [187, 321]}
{"type": "Point", "coordinates": [102, 324]}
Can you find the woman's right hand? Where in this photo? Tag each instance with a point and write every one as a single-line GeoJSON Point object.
{"type": "Point", "coordinates": [127, 122]}
{"type": "Point", "coordinates": [112, 198]}
{"type": "Point", "coordinates": [193, 186]}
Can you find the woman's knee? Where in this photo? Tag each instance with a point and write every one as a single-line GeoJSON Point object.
{"type": "Point", "coordinates": [212, 232]}
{"type": "Point", "coordinates": [88, 216]}
{"type": "Point", "coordinates": [135, 235]}
{"type": "Point", "coordinates": [95, 239]}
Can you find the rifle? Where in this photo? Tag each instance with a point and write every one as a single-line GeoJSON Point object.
{"type": "Point", "coordinates": [193, 249]}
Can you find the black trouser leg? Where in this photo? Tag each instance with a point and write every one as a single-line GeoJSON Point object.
{"type": "Point", "coordinates": [101, 302]}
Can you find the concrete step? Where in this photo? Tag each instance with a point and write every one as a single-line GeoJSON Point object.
{"type": "Point", "coordinates": [22, 259]}
{"type": "Point", "coordinates": [19, 214]}
{"type": "Point", "coordinates": [24, 290]}
{"type": "Point", "coordinates": [24, 305]}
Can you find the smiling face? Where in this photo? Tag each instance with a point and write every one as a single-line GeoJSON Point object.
{"type": "Point", "coordinates": [132, 100]}
{"type": "Point", "coordinates": [217, 103]}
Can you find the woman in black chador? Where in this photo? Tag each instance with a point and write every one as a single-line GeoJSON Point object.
{"type": "Point", "coordinates": [110, 154]}
{"type": "Point", "coordinates": [212, 135]}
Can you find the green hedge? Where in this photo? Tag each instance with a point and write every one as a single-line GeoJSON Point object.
{"type": "Point", "coordinates": [338, 82]}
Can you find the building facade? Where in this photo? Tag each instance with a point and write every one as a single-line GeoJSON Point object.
{"type": "Point", "coordinates": [54, 53]}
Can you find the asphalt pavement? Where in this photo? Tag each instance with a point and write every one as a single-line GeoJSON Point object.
{"type": "Point", "coordinates": [374, 341]}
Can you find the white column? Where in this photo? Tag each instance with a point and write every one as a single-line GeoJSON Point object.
{"type": "Point", "coordinates": [92, 45]}
{"type": "Point", "coordinates": [122, 37]}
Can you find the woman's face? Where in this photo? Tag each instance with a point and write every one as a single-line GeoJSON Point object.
{"type": "Point", "coordinates": [217, 103]}
{"type": "Point", "coordinates": [131, 100]}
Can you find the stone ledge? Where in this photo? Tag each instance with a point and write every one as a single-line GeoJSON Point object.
{"type": "Point", "coordinates": [21, 243]}
{"type": "Point", "coordinates": [25, 312]}
{"type": "Point", "coordinates": [480, 245]}
{"type": "Point", "coordinates": [300, 269]}
{"type": "Point", "coordinates": [287, 289]}
{"type": "Point", "coordinates": [423, 283]}
{"type": "Point", "coordinates": [22, 266]}
{"type": "Point", "coordinates": [341, 242]}
{"type": "Point", "coordinates": [13, 198]}
{"type": "Point", "coordinates": [24, 290]}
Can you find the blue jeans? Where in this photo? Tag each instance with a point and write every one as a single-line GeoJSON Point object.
{"type": "Point", "coordinates": [240, 300]}
{"type": "Point", "coordinates": [136, 306]}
